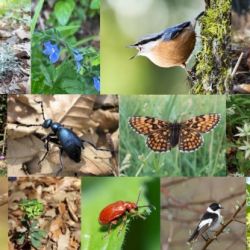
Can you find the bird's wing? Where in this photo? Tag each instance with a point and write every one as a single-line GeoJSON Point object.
{"type": "Point", "coordinates": [207, 221]}
{"type": "Point", "coordinates": [172, 32]}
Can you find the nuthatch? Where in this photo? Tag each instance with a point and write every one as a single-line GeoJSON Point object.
{"type": "Point", "coordinates": [171, 47]}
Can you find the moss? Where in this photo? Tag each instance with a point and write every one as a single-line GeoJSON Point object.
{"type": "Point", "coordinates": [212, 68]}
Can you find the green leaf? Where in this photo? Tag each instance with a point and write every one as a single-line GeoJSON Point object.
{"type": "Point", "coordinates": [63, 10]}
{"type": "Point", "coordinates": [67, 31]}
{"type": "Point", "coordinates": [46, 75]}
{"type": "Point", "coordinates": [72, 86]}
{"type": "Point", "coordinates": [95, 5]}
{"type": "Point", "coordinates": [35, 243]}
{"type": "Point", "coordinates": [20, 239]}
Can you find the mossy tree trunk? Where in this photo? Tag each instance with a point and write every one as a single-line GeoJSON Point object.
{"type": "Point", "coordinates": [213, 64]}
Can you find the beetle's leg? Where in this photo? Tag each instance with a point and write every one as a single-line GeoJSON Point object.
{"type": "Point", "coordinates": [114, 222]}
{"type": "Point", "coordinates": [91, 144]}
{"type": "Point", "coordinates": [124, 221]}
{"type": "Point", "coordinates": [61, 162]}
{"type": "Point", "coordinates": [47, 139]}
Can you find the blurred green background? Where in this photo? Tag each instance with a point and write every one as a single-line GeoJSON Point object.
{"type": "Point", "coordinates": [13, 6]}
{"type": "Point", "coordinates": [136, 159]}
{"type": "Point", "coordinates": [4, 215]}
{"type": "Point", "coordinates": [122, 24]}
{"type": "Point", "coordinates": [97, 193]}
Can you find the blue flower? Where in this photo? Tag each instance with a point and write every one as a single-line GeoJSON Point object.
{"type": "Point", "coordinates": [78, 59]}
{"type": "Point", "coordinates": [52, 51]}
{"type": "Point", "coordinates": [96, 80]}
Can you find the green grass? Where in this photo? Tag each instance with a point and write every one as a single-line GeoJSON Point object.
{"type": "Point", "coordinates": [136, 159]}
{"type": "Point", "coordinates": [238, 109]}
{"type": "Point", "coordinates": [97, 193]}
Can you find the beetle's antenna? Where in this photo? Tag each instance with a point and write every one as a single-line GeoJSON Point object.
{"type": "Point", "coordinates": [29, 125]}
{"type": "Point", "coordinates": [138, 198]}
{"type": "Point", "coordinates": [41, 103]}
{"type": "Point", "coordinates": [149, 205]}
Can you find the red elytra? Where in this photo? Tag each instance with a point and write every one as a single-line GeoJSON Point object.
{"type": "Point", "coordinates": [117, 210]}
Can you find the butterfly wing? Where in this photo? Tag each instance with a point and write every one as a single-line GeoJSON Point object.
{"type": "Point", "coordinates": [203, 123]}
{"type": "Point", "coordinates": [189, 140]}
{"type": "Point", "coordinates": [159, 141]}
{"type": "Point", "coordinates": [158, 132]}
{"type": "Point", "coordinates": [147, 125]}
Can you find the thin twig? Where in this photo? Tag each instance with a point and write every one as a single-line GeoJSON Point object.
{"type": "Point", "coordinates": [237, 64]}
{"type": "Point", "coordinates": [208, 242]}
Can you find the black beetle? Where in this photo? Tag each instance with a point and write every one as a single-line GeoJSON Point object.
{"type": "Point", "coordinates": [65, 138]}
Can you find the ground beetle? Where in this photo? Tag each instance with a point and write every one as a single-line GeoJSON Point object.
{"type": "Point", "coordinates": [112, 213]}
{"type": "Point", "coordinates": [65, 138]}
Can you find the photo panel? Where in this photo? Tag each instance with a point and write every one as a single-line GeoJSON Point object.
{"type": "Point", "coordinates": [44, 213]}
{"type": "Point", "coordinates": [240, 46]}
{"type": "Point", "coordinates": [15, 46]}
{"type": "Point", "coordinates": [4, 212]}
{"type": "Point", "coordinates": [66, 135]}
{"type": "Point", "coordinates": [174, 48]}
{"type": "Point", "coordinates": [238, 132]}
{"type": "Point", "coordinates": [172, 135]}
{"type": "Point", "coordinates": [3, 136]}
{"type": "Point", "coordinates": [65, 47]}
{"type": "Point", "coordinates": [248, 212]}
{"type": "Point", "coordinates": [115, 217]}
{"type": "Point", "coordinates": [203, 213]}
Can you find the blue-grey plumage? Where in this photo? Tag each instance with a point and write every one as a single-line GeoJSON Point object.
{"type": "Point", "coordinates": [171, 47]}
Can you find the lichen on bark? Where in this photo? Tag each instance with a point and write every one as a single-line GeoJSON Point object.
{"type": "Point", "coordinates": [211, 72]}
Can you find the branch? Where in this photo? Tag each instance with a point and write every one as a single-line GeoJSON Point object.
{"type": "Point", "coordinates": [233, 218]}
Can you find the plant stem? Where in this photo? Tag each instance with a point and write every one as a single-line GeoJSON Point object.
{"type": "Point", "coordinates": [36, 16]}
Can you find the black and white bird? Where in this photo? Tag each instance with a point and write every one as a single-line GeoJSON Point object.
{"type": "Point", "coordinates": [210, 221]}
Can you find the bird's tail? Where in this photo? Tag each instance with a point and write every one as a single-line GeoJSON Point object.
{"type": "Point", "coordinates": [197, 18]}
{"type": "Point", "coordinates": [194, 235]}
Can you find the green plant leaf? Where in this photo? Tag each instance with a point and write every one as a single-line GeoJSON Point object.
{"type": "Point", "coordinates": [20, 238]}
{"type": "Point", "coordinates": [63, 10]}
{"type": "Point", "coordinates": [95, 4]}
{"type": "Point", "coordinates": [35, 242]}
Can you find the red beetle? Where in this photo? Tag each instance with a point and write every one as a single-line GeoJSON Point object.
{"type": "Point", "coordinates": [112, 213]}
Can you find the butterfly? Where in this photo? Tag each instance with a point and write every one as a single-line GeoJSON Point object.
{"type": "Point", "coordinates": [162, 136]}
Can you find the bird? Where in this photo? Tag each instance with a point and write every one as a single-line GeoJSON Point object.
{"type": "Point", "coordinates": [210, 221]}
{"type": "Point", "coordinates": [171, 47]}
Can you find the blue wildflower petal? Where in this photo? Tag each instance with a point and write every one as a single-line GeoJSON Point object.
{"type": "Point", "coordinates": [54, 57]}
{"type": "Point", "coordinates": [47, 50]}
{"type": "Point", "coordinates": [78, 58]}
{"type": "Point", "coordinates": [96, 80]}
{"type": "Point", "coordinates": [52, 51]}
{"type": "Point", "coordinates": [78, 66]}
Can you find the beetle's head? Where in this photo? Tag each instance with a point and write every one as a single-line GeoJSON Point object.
{"type": "Point", "coordinates": [47, 123]}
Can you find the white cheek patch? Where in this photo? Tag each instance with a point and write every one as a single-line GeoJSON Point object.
{"type": "Point", "coordinates": [206, 222]}
{"type": "Point", "coordinates": [147, 48]}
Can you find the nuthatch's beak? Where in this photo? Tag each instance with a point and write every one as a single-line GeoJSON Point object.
{"type": "Point", "coordinates": [132, 46]}
{"type": "Point", "coordinates": [132, 57]}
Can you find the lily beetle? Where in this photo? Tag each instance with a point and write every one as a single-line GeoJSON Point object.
{"type": "Point", "coordinates": [119, 210]}
{"type": "Point", "coordinates": [64, 138]}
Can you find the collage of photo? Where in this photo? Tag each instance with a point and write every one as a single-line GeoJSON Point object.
{"type": "Point", "coordinates": [155, 159]}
